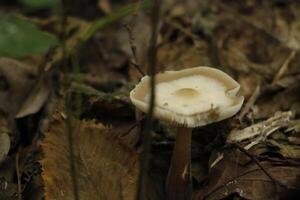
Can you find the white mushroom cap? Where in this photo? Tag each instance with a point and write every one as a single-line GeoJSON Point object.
{"type": "Point", "coordinates": [191, 97]}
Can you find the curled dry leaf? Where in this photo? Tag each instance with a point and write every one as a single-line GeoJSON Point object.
{"type": "Point", "coordinates": [35, 100]}
{"type": "Point", "coordinates": [107, 169]}
{"type": "Point", "coordinates": [16, 79]}
{"type": "Point", "coordinates": [18, 85]}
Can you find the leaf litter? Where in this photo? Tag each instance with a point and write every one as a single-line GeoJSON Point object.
{"type": "Point", "coordinates": [255, 42]}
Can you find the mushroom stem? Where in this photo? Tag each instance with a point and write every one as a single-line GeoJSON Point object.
{"type": "Point", "coordinates": [179, 184]}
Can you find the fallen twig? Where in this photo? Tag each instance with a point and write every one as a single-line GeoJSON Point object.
{"type": "Point", "coordinates": [284, 67]}
{"type": "Point", "coordinates": [250, 103]}
{"type": "Point", "coordinates": [135, 124]}
{"type": "Point", "coordinates": [146, 133]}
{"type": "Point", "coordinates": [18, 176]}
{"type": "Point", "coordinates": [133, 49]}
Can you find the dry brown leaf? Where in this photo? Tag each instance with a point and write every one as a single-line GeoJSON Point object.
{"type": "Point", "coordinates": [4, 146]}
{"type": "Point", "coordinates": [294, 126]}
{"type": "Point", "coordinates": [287, 99]}
{"type": "Point", "coordinates": [35, 100]}
{"type": "Point", "coordinates": [16, 79]}
{"type": "Point", "coordinates": [107, 169]}
{"type": "Point", "coordinates": [286, 150]}
{"type": "Point", "coordinates": [4, 139]}
{"type": "Point", "coordinates": [229, 177]}
{"type": "Point", "coordinates": [19, 93]}
{"type": "Point", "coordinates": [105, 6]}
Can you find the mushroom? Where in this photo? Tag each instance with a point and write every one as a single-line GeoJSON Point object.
{"type": "Point", "coordinates": [187, 99]}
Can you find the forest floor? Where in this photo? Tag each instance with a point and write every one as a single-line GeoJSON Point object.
{"type": "Point", "coordinates": [68, 129]}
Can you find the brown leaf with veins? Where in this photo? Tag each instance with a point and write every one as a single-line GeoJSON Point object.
{"type": "Point", "coordinates": [232, 175]}
{"type": "Point", "coordinates": [107, 169]}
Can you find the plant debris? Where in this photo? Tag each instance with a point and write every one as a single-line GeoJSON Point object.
{"type": "Point", "coordinates": [68, 129]}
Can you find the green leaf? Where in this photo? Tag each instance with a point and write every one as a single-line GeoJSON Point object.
{"type": "Point", "coordinates": [38, 4]}
{"type": "Point", "coordinates": [20, 37]}
{"type": "Point", "coordinates": [115, 16]}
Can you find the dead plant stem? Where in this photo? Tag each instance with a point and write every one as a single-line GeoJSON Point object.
{"type": "Point", "coordinates": [69, 123]}
{"type": "Point", "coordinates": [135, 62]}
{"type": "Point", "coordinates": [18, 176]}
{"type": "Point", "coordinates": [135, 124]}
{"type": "Point", "coordinates": [284, 66]}
{"type": "Point", "coordinates": [146, 133]}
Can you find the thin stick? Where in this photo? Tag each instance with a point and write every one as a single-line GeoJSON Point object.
{"type": "Point", "coordinates": [71, 130]}
{"type": "Point", "coordinates": [135, 124]}
{"type": "Point", "coordinates": [139, 69]}
{"type": "Point", "coordinates": [146, 134]}
{"type": "Point", "coordinates": [256, 93]}
{"type": "Point", "coordinates": [18, 176]}
{"type": "Point", "coordinates": [69, 122]}
{"type": "Point", "coordinates": [284, 67]}
{"type": "Point", "coordinates": [133, 50]}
